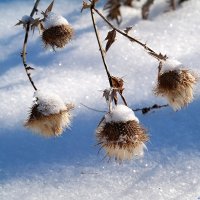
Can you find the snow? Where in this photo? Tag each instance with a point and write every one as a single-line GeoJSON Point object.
{"type": "Point", "coordinates": [53, 20]}
{"type": "Point", "coordinates": [69, 167]}
{"type": "Point", "coordinates": [121, 113]}
{"type": "Point", "coordinates": [48, 103]}
{"type": "Point", "coordinates": [26, 19]}
{"type": "Point", "coordinates": [170, 64]}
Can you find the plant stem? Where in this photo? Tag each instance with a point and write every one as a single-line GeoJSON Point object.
{"type": "Point", "coordinates": [101, 48]}
{"type": "Point", "coordinates": [148, 49]}
{"type": "Point", "coordinates": [23, 54]}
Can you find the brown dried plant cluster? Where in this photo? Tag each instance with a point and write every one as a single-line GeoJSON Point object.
{"type": "Point", "coordinates": [121, 140]}
{"type": "Point", "coordinates": [55, 32]}
{"type": "Point", "coordinates": [113, 7]}
{"type": "Point", "coordinates": [57, 36]}
{"type": "Point", "coordinates": [49, 125]}
{"type": "Point", "coordinates": [119, 132]}
{"type": "Point", "coordinates": [120, 136]}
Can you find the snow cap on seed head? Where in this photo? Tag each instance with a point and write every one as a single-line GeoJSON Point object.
{"type": "Point", "coordinates": [121, 113]}
{"type": "Point", "coordinates": [49, 115]}
{"type": "Point", "coordinates": [48, 103]}
{"type": "Point", "coordinates": [53, 20]}
{"type": "Point", "coordinates": [170, 64]}
{"type": "Point", "coordinates": [121, 135]}
{"type": "Point", "coordinates": [57, 32]}
{"type": "Point", "coordinates": [175, 83]}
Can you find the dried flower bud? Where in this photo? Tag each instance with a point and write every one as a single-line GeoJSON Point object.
{"type": "Point", "coordinates": [175, 83]}
{"type": "Point", "coordinates": [121, 135]}
{"type": "Point", "coordinates": [57, 31]}
{"type": "Point", "coordinates": [49, 115]}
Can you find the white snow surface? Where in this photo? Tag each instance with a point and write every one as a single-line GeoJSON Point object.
{"type": "Point", "coordinates": [48, 103]}
{"type": "Point", "coordinates": [170, 64]}
{"type": "Point", "coordinates": [69, 167]}
{"type": "Point", "coordinates": [121, 113]}
{"type": "Point", "coordinates": [53, 20]}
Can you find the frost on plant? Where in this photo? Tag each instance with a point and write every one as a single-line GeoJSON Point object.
{"type": "Point", "coordinates": [49, 115]}
{"type": "Point", "coordinates": [176, 83]}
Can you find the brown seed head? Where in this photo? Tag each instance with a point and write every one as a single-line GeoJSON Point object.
{"type": "Point", "coordinates": [177, 86]}
{"type": "Point", "coordinates": [49, 125]}
{"type": "Point", "coordinates": [57, 36]}
{"type": "Point", "coordinates": [121, 140]}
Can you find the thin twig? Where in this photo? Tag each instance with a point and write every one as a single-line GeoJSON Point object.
{"type": "Point", "coordinates": [101, 49]}
{"type": "Point", "coordinates": [147, 109]}
{"type": "Point", "coordinates": [93, 109]}
{"type": "Point", "coordinates": [143, 110]}
{"type": "Point", "coordinates": [148, 49]}
{"type": "Point", "coordinates": [23, 54]}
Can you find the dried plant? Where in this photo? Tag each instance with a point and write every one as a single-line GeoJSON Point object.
{"type": "Point", "coordinates": [49, 115]}
{"type": "Point", "coordinates": [113, 8]}
{"type": "Point", "coordinates": [121, 135]}
{"type": "Point", "coordinates": [56, 32]}
{"type": "Point", "coordinates": [175, 83]}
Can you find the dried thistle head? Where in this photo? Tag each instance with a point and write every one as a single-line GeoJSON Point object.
{"type": "Point", "coordinates": [121, 135]}
{"type": "Point", "coordinates": [57, 32]}
{"type": "Point", "coordinates": [49, 116]}
{"type": "Point", "coordinates": [175, 83]}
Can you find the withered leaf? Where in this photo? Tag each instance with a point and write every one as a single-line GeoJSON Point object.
{"type": "Point", "coordinates": [49, 8]}
{"type": "Point", "coordinates": [111, 38]}
{"type": "Point", "coordinates": [85, 6]}
{"type": "Point", "coordinates": [19, 23]}
{"type": "Point", "coordinates": [128, 3]}
{"type": "Point", "coordinates": [35, 24]}
{"type": "Point", "coordinates": [118, 84]}
{"type": "Point", "coordinates": [128, 29]}
{"type": "Point", "coordinates": [113, 8]}
{"type": "Point", "coordinates": [30, 68]}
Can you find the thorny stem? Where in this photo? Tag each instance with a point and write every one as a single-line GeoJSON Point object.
{"type": "Point", "coordinates": [144, 110]}
{"type": "Point", "coordinates": [150, 51]}
{"type": "Point", "coordinates": [101, 49]}
{"type": "Point", "coordinates": [23, 54]}
{"type": "Point", "coordinates": [147, 109]}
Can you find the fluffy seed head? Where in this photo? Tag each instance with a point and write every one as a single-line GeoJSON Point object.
{"type": "Point", "coordinates": [176, 84]}
{"type": "Point", "coordinates": [121, 135]}
{"type": "Point", "coordinates": [49, 116]}
{"type": "Point", "coordinates": [57, 31]}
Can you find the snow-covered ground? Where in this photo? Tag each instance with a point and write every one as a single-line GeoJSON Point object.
{"type": "Point", "coordinates": [69, 167]}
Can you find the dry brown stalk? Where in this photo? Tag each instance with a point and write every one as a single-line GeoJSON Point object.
{"type": "Point", "coordinates": [103, 53]}
{"type": "Point", "coordinates": [24, 53]}
{"type": "Point", "coordinates": [150, 51]}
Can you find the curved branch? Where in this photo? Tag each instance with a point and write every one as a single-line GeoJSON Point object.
{"type": "Point", "coordinates": [23, 54]}
{"type": "Point", "coordinates": [148, 49]}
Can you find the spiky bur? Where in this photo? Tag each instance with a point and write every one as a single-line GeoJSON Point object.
{"type": "Point", "coordinates": [121, 135]}
{"type": "Point", "coordinates": [57, 32]}
{"type": "Point", "coordinates": [175, 83]}
{"type": "Point", "coordinates": [49, 115]}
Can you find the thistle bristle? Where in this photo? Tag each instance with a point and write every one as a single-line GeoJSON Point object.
{"type": "Point", "coordinates": [48, 125]}
{"type": "Point", "coordinates": [177, 87]}
{"type": "Point", "coordinates": [122, 140]}
{"type": "Point", "coordinates": [57, 36]}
